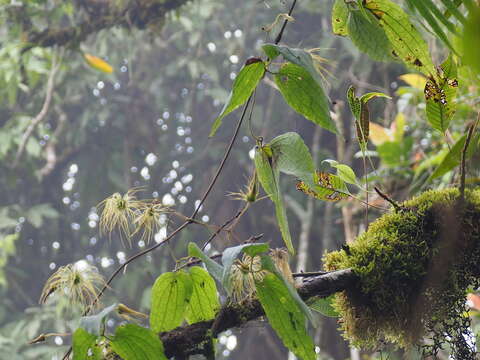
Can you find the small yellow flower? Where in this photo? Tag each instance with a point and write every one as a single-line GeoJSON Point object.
{"type": "Point", "coordinates": [147, 220]}
{"type": "Point", "coordinates": [79, 283]}
{"type": "Point", "coordinates": [118, 211]}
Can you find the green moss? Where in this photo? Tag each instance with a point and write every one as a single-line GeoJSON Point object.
{"type": "Point", "coordinates": [414, 267]}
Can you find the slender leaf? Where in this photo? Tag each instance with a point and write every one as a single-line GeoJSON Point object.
{"type": "Point", "coordinates": [243, 86]}
{"type": "Point", "coordinates": [453, 157]}
{"type": "Point", "coordinates": [171, 294]}
{"type": "Point", "coordinates": [285, 317]}
{"type": "Point", "coordinates": [133, 342]}
{"type": "Point", "coordinates": [269, 178]}
{"type": "Point", "coordinates": [452, 8]}
{"type": "Point", "coordinates": [303, 93]}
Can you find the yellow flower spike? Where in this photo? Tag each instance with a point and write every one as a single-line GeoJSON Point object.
{"type": "Point", "coordinates": [79, 283]}
{"type": "Point", "coordinates": [118, 211]}
{"type": "Point", "coordinates": [98, 64]}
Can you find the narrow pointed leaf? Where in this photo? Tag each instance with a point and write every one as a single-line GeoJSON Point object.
{"type": "Point", "coordinates": [285, 317]}
{"type": "Point", "coordinates": [171, 294]}
{"type": "Point", "coordinates": [133, 342]}
{"type": "Point", "coordinates": [269, 178]}
{"type": "Point", "coordinates": [243, 86]}
{"type": "Point", "coordinates": [204, 302]}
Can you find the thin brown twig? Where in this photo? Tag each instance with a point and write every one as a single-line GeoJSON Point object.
{"type": "Point", "coordinates": [41, 115]}
{"type": "Point", "coordinates": [388, 199]}
{"type": "Point", "coordinates": [470, 132]}
{"type": "Point", "coordinates": [197, 209]}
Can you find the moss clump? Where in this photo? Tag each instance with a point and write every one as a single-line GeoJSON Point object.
{"type": "Point", "coordinates": [414, 267]}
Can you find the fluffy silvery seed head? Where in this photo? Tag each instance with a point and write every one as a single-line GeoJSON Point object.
{"type": "Point", "coordinates": [280, 257]}
{"type": "Point", "coordinates": [117, 212]}
{"type": "Point", "coordinates": [79, 283]}
{"type": "Point", "coordinates": [147, 220]}
{"type": "Point", "coordinates": [244, 274]}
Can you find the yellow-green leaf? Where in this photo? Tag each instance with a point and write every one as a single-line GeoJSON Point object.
{"type": "Point", "coordinates": [405, 39]}
{"type": "Point", "coordinates": [243, 86]}
{"type": "Point", "coordinates": [285, 316]}
{"type": "Point", "coordinates": [171, 294]}
{"type": "Point", "coordinates": [133, 342]}
{"type": "Point", "coordinates": [204, 302]}
{"type": "Point", "coordinates": [339, 18]}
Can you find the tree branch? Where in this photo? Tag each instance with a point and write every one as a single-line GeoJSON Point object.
{"type": "Point", "coordinates": [137, 14]}
{"type": "Point", "coordinates": [189, 340]}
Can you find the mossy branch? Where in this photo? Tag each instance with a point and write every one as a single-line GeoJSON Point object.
{"type": "Point", "coordinates": [136, 14]}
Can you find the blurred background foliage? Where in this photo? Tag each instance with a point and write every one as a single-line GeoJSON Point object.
{"type": "Point", "coordinates": [146, 125]}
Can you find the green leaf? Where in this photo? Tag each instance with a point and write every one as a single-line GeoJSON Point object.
{"type": "Point", "coordinates": [440, 96]}
{"type": "Point", "coordinates": [328, 187]}
{"type": "Point", "coordinates": [171, 294]}
{"type": "Point", "coordinates": [285, 316]}
{"type": "Point", "coordinates": [292, 157]}
{"type": "Point", "coordinates": [133, 342]}
{"type": "Point", "coordinates": [372, 95]}
{"type": "Point", "coordinates": [453, 158]}
{"type": "Point", "coordinates": [304, 94]}
{"type": "Point", "coordinates": [369, 37]}
{"type": "Point", "coordinates": [231, 254]}
{"type": "Point", "coordinates": [298, 57]}
{"type": "Point", "coordinates": [405, 39]}
{"type": "Point", "coordinates": [214, 268]}
{"type": "Point", "coordinates": [344, 172]}
{"type": "Point", "coordinates": [324, 306]}
{"type": "Point", "coordinates": [95, 324]}
{"type": "Point", "coordinates": [83, 341]}
{"type": "Point", "coordinates": [339, 18]}
{"type": "Point", "coordinates": [204, 302]}
{"type": "Point", "coordinates": [268, 264]}
{"type": "Point", "coordinates": [452, 9]}
{"type": "Point", "coordinates": [269, 178]}
{"type": "Point", "coordinates": [470, 37]}
{"type": "Point", "coordinates": [429, 11]}
{"type": "Point", "coordinates": [243, 86]}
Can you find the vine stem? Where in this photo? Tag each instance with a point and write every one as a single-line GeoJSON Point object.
{"type": "Point", "coordinates": [198, 207]}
